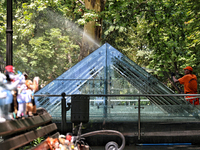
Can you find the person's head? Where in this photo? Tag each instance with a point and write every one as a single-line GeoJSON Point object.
{"type": "Point", "coordinates": [25, 75]}
{"type": "Point", "coordinates": [10, 68]}
{"type": "Point", "coordinates": [188, 70]}
{"type": "Point", "coordinates": [9, 72]}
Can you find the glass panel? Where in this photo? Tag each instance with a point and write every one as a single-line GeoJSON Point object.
{"type": "Point", "coordinates": [152, 112]}
{"type": "Point", "coordinates": [107, 71]}
{"type": "Point", "coordinates": [118, 109]}
{"type": "Point", "coordinates": [57, 87]}
{"type": "Point", "coordinates": [125, 109]}
{"type": "Point", "coordinates": [87, 67]}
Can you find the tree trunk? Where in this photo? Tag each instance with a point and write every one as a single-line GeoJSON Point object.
{"type": "Point", "coordinates": [92, 33]}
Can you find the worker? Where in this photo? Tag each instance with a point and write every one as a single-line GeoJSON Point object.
{"type": "Point", "coordinates": [189, 81]}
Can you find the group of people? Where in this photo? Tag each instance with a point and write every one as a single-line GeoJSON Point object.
{"type": "Point", "coordinates": [17, 94]}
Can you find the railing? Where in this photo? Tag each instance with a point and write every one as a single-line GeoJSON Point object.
{"type": "Point", "coordinates": [64, 108]}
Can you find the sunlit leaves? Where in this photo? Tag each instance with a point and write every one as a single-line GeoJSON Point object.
{"type": "Point", "coordinates": [161, 35]}
{"type": "Point", "coordinates": [40, 48]}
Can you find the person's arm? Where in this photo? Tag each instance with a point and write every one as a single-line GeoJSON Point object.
{"type": "Point", "coordinates": [36, 84]}
{"type": "Point", "coordinates": [175, 80]}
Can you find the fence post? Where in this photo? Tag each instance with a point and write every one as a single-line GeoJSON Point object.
{"type": "Point", "coordinates": [64, 110]}
{"type": "Point", "coordinates": [139, 118]}
{"type": "Point", "coordinates": [9, 34]}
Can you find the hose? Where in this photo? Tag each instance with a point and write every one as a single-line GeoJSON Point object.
{"type": "Point", "coordinates": [107, 132]}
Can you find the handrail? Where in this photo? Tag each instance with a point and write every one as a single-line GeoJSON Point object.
{"type": "Point", "coordinates": [114, 95]}
{"type": "Point", "coordinates": [63, 95]}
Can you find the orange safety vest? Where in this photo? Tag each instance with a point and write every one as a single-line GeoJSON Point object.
{"type": "Point", "coordinates": [190, 87]}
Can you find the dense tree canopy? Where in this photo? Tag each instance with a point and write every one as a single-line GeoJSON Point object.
{"type": "Point", "coordinates": [163, 35]}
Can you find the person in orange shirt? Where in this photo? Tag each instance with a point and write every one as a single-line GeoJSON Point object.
{"type": "Point", "coordinates": [189, 81]}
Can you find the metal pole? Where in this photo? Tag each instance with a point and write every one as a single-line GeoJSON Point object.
{"type": "Point", "coordinates": [9, 34]}
{"type": "Point", "coordinates": [105, 88]}
{"type": "Point", "coordinates": [139, 118]}
{"type": "Point", "coordinates": [64, 121]}
{"type": "Point", "coordinates": [126, 95]}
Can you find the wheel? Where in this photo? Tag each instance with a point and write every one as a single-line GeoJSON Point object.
{"type": "Point", "coordinates": [111, 146]}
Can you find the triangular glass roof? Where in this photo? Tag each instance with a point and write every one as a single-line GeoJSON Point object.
{"type": "Point", "coordinates": [107, 71]}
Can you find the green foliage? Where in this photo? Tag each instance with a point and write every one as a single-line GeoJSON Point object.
{"type": "Point", "coordinates": [2, 28]}
{"type": "Point", "coordinates": [37, 141]}
{"type": "Point", "coordinates": [163, 36]}
{"type": "Point", "coordinates": [160, 35]}
{"type": "Point", "coordinates": [43, 45]}
{"type": "Point", "coordinates": [34, 143]}
{"type": "Point", "coordinates": [25, 147]}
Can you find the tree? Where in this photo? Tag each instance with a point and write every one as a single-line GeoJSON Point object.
{"type": "Point", "coordinates": [42, 42]}
{"type": "Point", "coordinates": [3, 12]}
{"type": "Point", "coordinates": [160, 35]}
{"type": "Point", "coordinates": [168, 37]}
{"type": "Point", "coordinates": [92, 26]}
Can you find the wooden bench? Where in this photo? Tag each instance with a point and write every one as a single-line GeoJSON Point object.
{"type": "Point", "coordinates": [17, 133]}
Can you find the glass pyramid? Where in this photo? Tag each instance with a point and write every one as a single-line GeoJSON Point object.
{"type": "Point", "coordinates": [107, 71]}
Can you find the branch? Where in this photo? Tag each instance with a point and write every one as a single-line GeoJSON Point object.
{"type": "Point", "coordinates": [174, 86]}
{"type": "Point", "coordinates": [139, 6]}
{"type": "Point", "coordinates": [80, 2]}
{"type": "Point", "coordinates": [172, 83]}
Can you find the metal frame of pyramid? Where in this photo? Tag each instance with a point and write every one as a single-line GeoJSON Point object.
{"type": "Point", "coordinates": [107, 71]}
